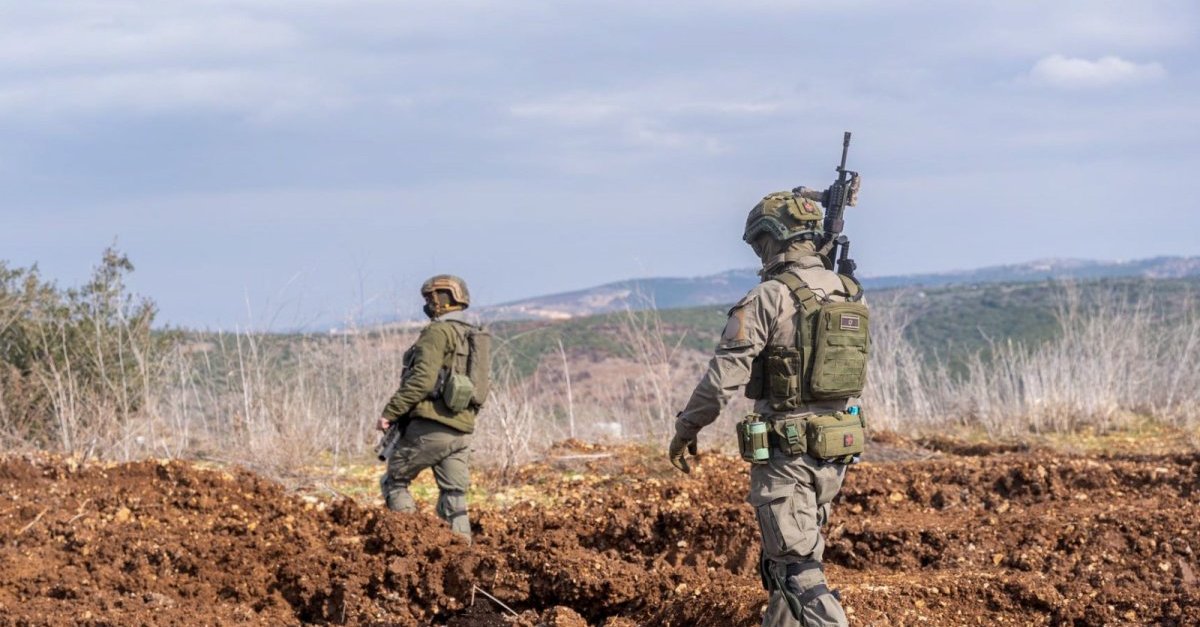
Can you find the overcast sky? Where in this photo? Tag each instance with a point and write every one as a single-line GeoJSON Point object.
{"type": "Point", "coordinates": [283, 162]}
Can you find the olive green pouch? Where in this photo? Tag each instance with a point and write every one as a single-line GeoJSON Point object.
{"type": "Point", "coordinates": [836, 437]}
{"type": "Point", "coordinates": [457, 392]}
{"type": "Point", "coordinates": [753, 443]}
{"type": "Point", "coordinates": [789, 436]}
{"type": "Point", "coordinates": [840, 348]}
{"type": "Point", "coordinates": [784, 372]}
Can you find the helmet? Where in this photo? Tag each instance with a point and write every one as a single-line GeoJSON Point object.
{"type": "Point", "coordinates": [454, 288]}
{"type": "Point", "coordinates": [784, 216]}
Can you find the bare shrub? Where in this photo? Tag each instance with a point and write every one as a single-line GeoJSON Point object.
{"type": "Point", "coordinates": [513, 422]}
{"type": "Point", "coordinates": [1110, 365]}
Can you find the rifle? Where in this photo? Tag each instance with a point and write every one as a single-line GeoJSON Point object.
{"type": "Point", "coordinates": [841, 194]}
{"type": "Point", "coordinates": [391, 438]}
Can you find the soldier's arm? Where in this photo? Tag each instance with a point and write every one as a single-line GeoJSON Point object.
{"type": "Point", "coordinates": [422, 375]}
{"type": "Point", "coordinates": [744, 337]}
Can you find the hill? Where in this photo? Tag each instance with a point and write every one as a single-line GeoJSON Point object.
{"type": "Point", "coordinates": [948, 322]}
{"type": "Point", "coordinates": [728, 287]}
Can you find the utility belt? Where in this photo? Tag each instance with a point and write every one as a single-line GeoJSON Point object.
{"type": "Point", "coordinates": [837, 437]}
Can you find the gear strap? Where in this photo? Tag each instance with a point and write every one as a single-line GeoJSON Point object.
{"type": "Point", "coordinates": [805, 297]}
{"type": "Point", "coordinates": [812, 593]}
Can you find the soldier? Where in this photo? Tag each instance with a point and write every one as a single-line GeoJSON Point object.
{"type": "Point", "coordinates": [441, 390]}
{"type": "Point", "coordinates": [769, 344]}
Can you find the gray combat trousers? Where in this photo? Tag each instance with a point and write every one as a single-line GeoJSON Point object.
{"type": "Point", "coordinates": [791, 497]}
{"type": "Point", "coordinates": [430, 444]}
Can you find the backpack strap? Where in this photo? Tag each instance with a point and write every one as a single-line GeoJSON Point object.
{"type": "Point", "coordinates": [854, 290]}
{"type": "Point", "coordinates": [805, 297]}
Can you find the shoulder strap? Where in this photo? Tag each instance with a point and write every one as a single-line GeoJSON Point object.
{"type": "Point", "coordinates": [805, 297]}
{"type": "Point", "coordinates": [854, 290]}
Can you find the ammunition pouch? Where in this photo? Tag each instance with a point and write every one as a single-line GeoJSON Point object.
{"type": "Point", "coordinates": [788, 436]}
{"type": "Point", "coordinates": [783, 374]}
{"type": "Point", "coordinates": [837, 437]}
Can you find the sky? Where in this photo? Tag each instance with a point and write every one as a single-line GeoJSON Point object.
{"type": "Point", "coordinates": [282, 163]}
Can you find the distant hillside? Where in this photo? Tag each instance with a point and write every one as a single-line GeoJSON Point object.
{"type": "Point", "coordinates": [948, 323]}
{"type": "Point", "coordinates": [728, 287]}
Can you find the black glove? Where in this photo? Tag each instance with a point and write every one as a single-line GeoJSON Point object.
{"type": "Point", "coordinates": [676, 452]}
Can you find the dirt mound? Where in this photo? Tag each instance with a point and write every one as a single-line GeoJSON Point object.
{"type": "Point", "coordinates": [613, 537]}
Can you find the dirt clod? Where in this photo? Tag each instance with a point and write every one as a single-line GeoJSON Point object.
{"type": "Point", "coordinates": [970, 537]}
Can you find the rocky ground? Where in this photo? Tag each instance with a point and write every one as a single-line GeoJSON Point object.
{"type": "Point", "coordinates": [944, 534]}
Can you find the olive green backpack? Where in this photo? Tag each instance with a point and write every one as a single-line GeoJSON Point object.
{"type": "Point", "coordinates": [468, 379]}
{"type": "Point", "coordinates": [829, 358]}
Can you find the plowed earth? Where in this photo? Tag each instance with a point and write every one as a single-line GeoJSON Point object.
{"type": "Point", "coordinates": [984, 536]}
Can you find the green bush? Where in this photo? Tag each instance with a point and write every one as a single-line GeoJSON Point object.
{"type": "Point", "coordinates": [75, 364]}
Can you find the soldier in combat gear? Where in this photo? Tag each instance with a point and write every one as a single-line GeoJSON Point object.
{"type": "Point", "coordinates": [790, 490]}
{"type": "Point", "coordinates": [428, 419]}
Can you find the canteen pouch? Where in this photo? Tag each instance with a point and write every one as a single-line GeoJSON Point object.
{"type": "Point", "coordinates": [457, 392]}
{"type": "Point", "coordinates": [836, 437]}
{"type": "Point", "coordinates": [753, 443]}
{"type": "Point", "coordinates": [789, 436]}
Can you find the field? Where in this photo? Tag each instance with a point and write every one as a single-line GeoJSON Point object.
{"type": "Point", "coordinates": [938, 532]}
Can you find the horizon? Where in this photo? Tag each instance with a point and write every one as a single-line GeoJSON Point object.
{"type": "Point", "coordinates": [261, 162]}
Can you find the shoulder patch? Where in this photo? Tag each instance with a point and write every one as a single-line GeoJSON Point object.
{"type": "Point", "coordinates": [734, 335]}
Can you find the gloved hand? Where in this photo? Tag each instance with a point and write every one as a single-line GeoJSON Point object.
{"type": "Point", "coordinates": [676, 452]}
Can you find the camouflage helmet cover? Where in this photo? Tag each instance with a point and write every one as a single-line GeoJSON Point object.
{"type": "Point", "coordinates": [452, 285]}
{"type": "Point", "coordinates": [784, 216]}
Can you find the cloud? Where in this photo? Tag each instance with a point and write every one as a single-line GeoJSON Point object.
{"type": "Point", "coordinates": [1070, 73]}
{"type": "Point", "coordinates": [260, 95]}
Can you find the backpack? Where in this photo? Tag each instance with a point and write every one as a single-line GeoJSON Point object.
{"type": "Point", "coordinates": [828, 359]}
{"type": "Point", "coordinates": [468, 378]}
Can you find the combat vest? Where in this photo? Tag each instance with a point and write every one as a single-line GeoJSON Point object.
{"type": "Point", "coordinates": [826, 360]}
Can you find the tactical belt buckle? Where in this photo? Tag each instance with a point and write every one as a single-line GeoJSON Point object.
{"type": "Point", "coordinates": [792, 434]}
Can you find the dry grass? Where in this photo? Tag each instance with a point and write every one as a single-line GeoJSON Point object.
{"type": "Point", "coordinates": [279, 406]}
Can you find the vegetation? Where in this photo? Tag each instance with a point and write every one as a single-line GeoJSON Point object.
{"type": "Point", "coordinates": [76, 365]}
{"type": "Point", "coordinates": [83, 372]}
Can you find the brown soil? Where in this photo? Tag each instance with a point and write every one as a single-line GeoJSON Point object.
{"type": "Point", "coordinates": [967, 537]}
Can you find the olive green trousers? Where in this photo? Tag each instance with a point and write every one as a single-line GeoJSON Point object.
{"type": "Point", "coordinates": [429, 444]}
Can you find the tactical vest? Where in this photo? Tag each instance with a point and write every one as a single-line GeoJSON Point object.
{"type": "Point", "coordinates": [465, 381]}
{"type": "Point", "coordinates": [827, 359]}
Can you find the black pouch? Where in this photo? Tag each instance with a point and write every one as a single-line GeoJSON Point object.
{"type": "Point", "coordinates": [756, 388]}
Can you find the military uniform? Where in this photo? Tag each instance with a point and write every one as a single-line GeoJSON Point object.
{"type": "Point", "coordinates": [435, 436]}
{"type": "Point", "coordinates": [791, 494]}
